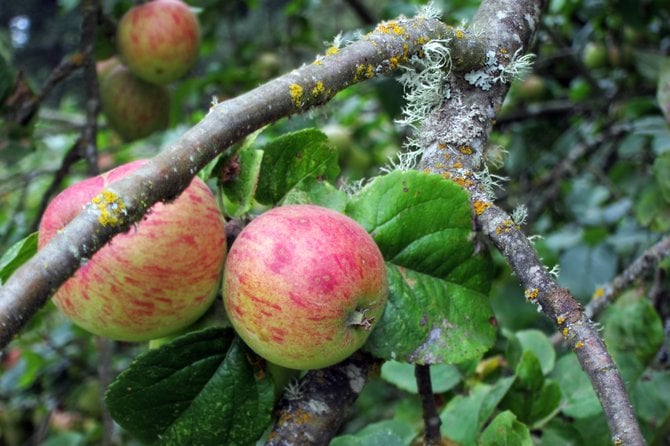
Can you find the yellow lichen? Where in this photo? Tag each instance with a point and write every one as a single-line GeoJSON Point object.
{"type": "Point", "coordinates": [532, 293]}
{"type": "Point", "coordinates": [318, 89]}
{"type": "Point", "coordinates": [465, 150]}
{"type": "Point", "coordinates": [598, 293]}
{"type": "Point", "coordinates": [464, 181]}
{"type": "Point", "coordinates": [296, 94]}
{"type": "Point", "coordinates": [111, 208]}
{"type": "Point", "coordinates": [565, 332]}
{"type": "Point", "coordinates": [506, 227]}
{"type": "Point", "coordinates": [459, 34]}
{"type": "Point", "coordinates": [392, 27]}
{"type": "Point", "coordinates": [481, 206]}
{"type": "Point", "coordinates": [332, 50]}
{"type": "Point", "coordinates": [458, 165]}
{"type": "Point", "coordinates": [579, 344]}
{"type": "Point", "coordinates": [560, 320]}
{"type": "Point", "coordinates": [394, 62]}
{"type": "Point", "coordinates": [503, 51]}
{"type": "Point", "coordinates": [369, 71]}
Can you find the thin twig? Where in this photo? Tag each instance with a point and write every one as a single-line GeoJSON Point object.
{"type": "Point", "coordinates": [431, 419]}
{"type": "Point", "coordinates": [644, 264]}
{"type": "Point", "coordinates": [89, 151]}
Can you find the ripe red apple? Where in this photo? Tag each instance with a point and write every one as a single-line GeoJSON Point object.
{"type": "Point", "coordinates": [155, 279]}
{"type": "Point", "coordinates": [304, 285]}
{"type": "Point", "coordinates": [159, 40]}
{"type": "Point", "coordinates": [133, 107]}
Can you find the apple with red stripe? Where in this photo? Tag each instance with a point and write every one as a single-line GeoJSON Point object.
{"type": "Point", "coordinates": [159, 40]}
{"type": "Point", "coordinates": [155, 279]}
{"type": "Point", "coordinates": [304, 285]}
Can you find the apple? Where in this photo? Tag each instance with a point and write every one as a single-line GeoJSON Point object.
{"type": "Point", "coordinates": [104, 67]}
{"type": "Point", "coordinates": [594, 55]}
{"type": "Point", "coordinates": [134, 108]}
{"type": "Point", "coordinates": [155, 279]}
{"type": "Point", "coordinates": [532, 89]}
{"type": "Point", "coordinates": [159, 40]}
{"type": "Point", "coordinates": [304, 285]}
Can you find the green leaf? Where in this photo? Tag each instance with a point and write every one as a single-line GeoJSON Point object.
{"type": "Point", "coordinates": [579, 398]}
{"type": "Point", "coordinates": [383, 433]}
{"type": "Point", "coordinates": [238, 193]}
{"type": "Point", "coordinates": [506, 430]}
{"type": "Point", "coordinates": [443, 376]}
{"type": "Point", "coordinates": [438, 310]}
{"type": "Point", "coordinates": [662, 173]}
{"type": "Point", "coordinates": [318, 192]}
{"type": "Point", "coordinates": [650, 399]}
{"type": "Point", "coordinates": [535, 341]}
{"type": "Point", "coordinates": [634, 334]}
{"type": "Point", "coordinates": [663, 88]}
{"type": "Point", "coordinates": [651, 211]}
{"type": "Point", "coordinates": [583, 268]}
{"type": "Point", "coordinates": [464, 416]}
{"type": "Point", "coordinates": [291, 158]}
{"type": "Point", "coordinates": [19, 253]}
{"type": "Point", "coordinates": [532, 398]}
{"type": "Point", "coordinates": [198, 389]}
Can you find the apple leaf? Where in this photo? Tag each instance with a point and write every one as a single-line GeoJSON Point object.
{"type": "Point", "coordinates": [465, 415]}
{"type": "Point", "coordinates": [318, 192]}
{"type": "Point", "coordinates": [291, 158]}
{"type": "Point", "coordinates": [438, 310]}
{"type": "Point", "coordinates": [198, 389]}
{"type": "Point", "coordinates": [237, 194]}
{"type": "Point", "coordinates": [382, 433]}
{"type": "Point", "coordinates": [505, 429]}
{"type": "Point", "coordinates": [17, 254]}
{"type": "Point", "coordinates": [444, 377]}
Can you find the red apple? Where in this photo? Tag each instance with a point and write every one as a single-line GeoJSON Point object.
{"type": "Point", "coordinates": [304, 285]}
{"type": "Point", "coordinates": [133, 107]}
{"type": "Point", "coordinates": [155, 279]}
{"type": "Point", "coordinates": [159, 40]}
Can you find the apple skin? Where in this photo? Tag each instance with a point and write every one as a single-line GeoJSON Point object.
{"type": "Point", "coordinates": [134, 108]}
{"type": "Point", "coordinates": [155, 279]}
{"type": "Point", "coordinates": [159, 40]}
{"type": "Point", "coordinates": [304, 285]}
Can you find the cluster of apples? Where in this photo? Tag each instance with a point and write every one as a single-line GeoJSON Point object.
{"type": "Point", "coordinates": [158, 43]}
{"type": "Point", "coordinates": [302, 285]}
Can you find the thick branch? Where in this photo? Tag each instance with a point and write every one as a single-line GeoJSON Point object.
{"type": "Point", "coordinates": [455, 136]}
{"type": "Point", "coordinates": [169, 173]}
{"type": "Point", "coordinates": [313, 413]}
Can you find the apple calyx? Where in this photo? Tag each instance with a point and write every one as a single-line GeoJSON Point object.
{"type": "Point", "coordinates": [359, 319]}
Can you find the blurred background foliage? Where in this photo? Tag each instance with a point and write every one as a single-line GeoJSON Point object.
{"type": "Point", "coordinates": [583, 140]}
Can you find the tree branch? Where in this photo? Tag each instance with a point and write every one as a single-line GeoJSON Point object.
{"type": "Point", "coordinates": [454, 138]}
{"type": "Point", "coordinates": [170, 172]}
{"type": "Point", "coordinates": [641, 266]}
{"type": "Point", "coordinates": [312, 413]}
{"type": "Point", "coordinates": [431, 419]}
